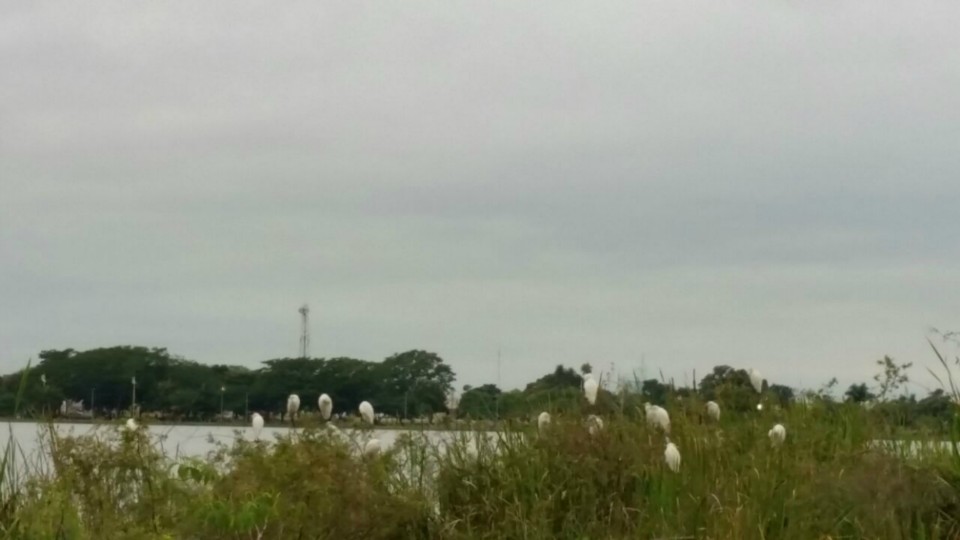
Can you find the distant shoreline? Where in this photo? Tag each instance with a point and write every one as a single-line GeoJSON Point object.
{"type": "Point", "coordinates": [341, 425]}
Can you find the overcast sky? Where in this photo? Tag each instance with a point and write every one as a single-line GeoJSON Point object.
{"type": "Point", "coordinates": [666, 184]}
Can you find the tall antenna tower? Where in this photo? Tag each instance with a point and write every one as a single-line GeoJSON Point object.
{"type": "Point", "coordinates": [304, 331]}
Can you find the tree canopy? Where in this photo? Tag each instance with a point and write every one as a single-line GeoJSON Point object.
{"type": "Point", "coordinates": [405, 384]}
{"type": "Point", "coordinates": [410, 384]}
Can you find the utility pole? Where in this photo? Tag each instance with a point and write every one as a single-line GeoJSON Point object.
{"type": "Point", "coordinates": [133, 382]}
{"type": "Point", "coordinates": [93, 396]}
{"type": "Point", "coordinates": [222, 390]}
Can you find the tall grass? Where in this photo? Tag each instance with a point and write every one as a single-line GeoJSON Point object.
{"type": "Point", "coordinates": [829, 480]}
{"type": "Point", "coordinates": [10, 483]}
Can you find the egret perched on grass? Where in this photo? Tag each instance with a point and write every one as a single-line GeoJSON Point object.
{"type": "Point", "coordinates": [713, 411]}
{"type": "Point", "coordinates": [293, 405]}
{"type": "Point", "coordinates": [590, 388]}
{"type": "Point", "coordinates": [257, 423]}
{"type": "Point", "coordinates": [756, 380]}
{"type": "Point", "coordinates": [777, 434]}
{"type": "Point", "coordinates": [672, 456]}
{"type": "Point", "coordinates": [657, 417]}
{"type": "Point", "coordinates": [543, 421]}
{"type": "Point", "coordinates": [366, 412]}
{"type": "Point", "coordinates": [594, 424]}
{"type": "Point", "coordinates": [326, 406]}
{"type": "Point", "coordinates": [131, 424]}
{"type": "Point", "coordinates": [371, 448]}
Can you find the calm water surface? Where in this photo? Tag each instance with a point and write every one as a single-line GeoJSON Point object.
{"type": "Point", "coordinates": [182, 440]}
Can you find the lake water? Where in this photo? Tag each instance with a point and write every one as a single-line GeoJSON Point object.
{"type": "Point", "coordinates": [178, 441]}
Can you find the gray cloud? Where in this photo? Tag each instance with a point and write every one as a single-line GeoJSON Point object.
{"type": "Point", "coordinates": [755, 185]}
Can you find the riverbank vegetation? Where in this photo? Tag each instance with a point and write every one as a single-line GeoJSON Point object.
{"type": "Point", "coordinates": [836, 475]}
{"type": "Point", "coordinates": [829, 479]}
{"type": "Point", "coordinates": [410, 385]}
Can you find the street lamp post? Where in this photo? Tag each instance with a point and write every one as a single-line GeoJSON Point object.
{"type": "Point", "coordinates": [133, 382]}
{"type": "Point", "coordinates": [222, 390]}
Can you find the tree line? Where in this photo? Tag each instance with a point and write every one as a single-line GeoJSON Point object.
{"type": "Point", "coordinates": [405, 385]}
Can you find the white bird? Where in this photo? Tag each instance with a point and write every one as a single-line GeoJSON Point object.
{"type": "Point", "coordinates": [293, 405]}
{"type": "Point", "coordinates": [594, 424]}
{"type": "Point", "coordinates": [658, 417]}
{"type": "Point", "coordinates": [672, 456]}
{"type": "Point", "coordinates": [326, 406]}
{"type": "Point", "coordinates": [371, 448]}
{"type": "Point", "coordinates": [257, 423]}
{"type": "Point", "coordinates": [366, 412]}
{"type": "Point", "coordinates": [777, 434]}
{"type": "Point", "coordinates": [590, 388]}
{"type": "Point", "coordinates": [131, 424]}
{"type": "Point", "coordinates": [756, 380]}
{"type": "Point", "coordinates": [543, 421]}
{"type": "Point", "coordinates": [713, 410]}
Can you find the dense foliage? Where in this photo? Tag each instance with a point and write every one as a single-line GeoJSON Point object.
{"type": "Point", "coordinates": [830, 479]}
{"type": "Point", "coordinates": [406, 385]}
{"type": "Point", "coordinates": [837, 475]}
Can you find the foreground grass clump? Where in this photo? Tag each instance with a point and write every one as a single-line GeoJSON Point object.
{"type": "Point", "coordinates": [828, 480]}
{"type": "Point", "coordinates": [307, 485]}
{"type": "Point", "coordinates": [312, 486]}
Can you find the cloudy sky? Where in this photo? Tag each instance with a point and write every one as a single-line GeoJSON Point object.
{"type": "Point", "coordinates": [659, 185]}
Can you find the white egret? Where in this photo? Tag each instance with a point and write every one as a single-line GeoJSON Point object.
{"type": "Point", "coordinates": [756, 380]}
{"type": "Point", "coordinates": [713, 410]}
{"type": "Point", "coordinates": [257, 423]}
{"type": "Point", "coordinates": [326, 406]}
{"type": "Point", "coordinates": [657, 417]}
{"type": "Point", "coordinates": [672, 456]}
{"type": "Point", "coordinates": [594, 424]}
{"type": "Point", "coordinates": [590, 388]}
{"type": "Point", "coordinates": [293, 405]}
{"type": "Point", "coordinates": [371, 448]}
{"type": "Point", "coordinates": [543, 421]}
{"type": "Point", "coordinates": [366, 412]}
{"type": "Point", "coordinates": [777, 434]}
{"type": "Point", "coordinates": [131, 424]}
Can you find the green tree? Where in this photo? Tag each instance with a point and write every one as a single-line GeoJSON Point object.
{"type": "Point", "coordinates": [784, 394]}
{"type": "Point", "coordinates": [858, 393]}
{"type": "Point", "coordinates": [655, 391]}
{"type": "Point", "coordinates": [561, 377]}
{"type": "Point", "coordinates": [729, 386]}
{"type": "Point", "coordinates": [414, 383]}
{"type": "Point", "coordinates": [479, 402]}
